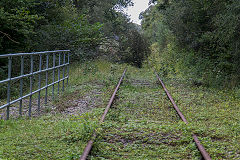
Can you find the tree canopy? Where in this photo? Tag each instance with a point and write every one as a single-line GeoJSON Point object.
{"type": "Point", "coordinates": [202, 36]}
{"type": "Point", "coordinates": [79, 25]}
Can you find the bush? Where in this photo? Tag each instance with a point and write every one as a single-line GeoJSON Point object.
{"type": "Point", "coordinates": [136, 49]}
{"type": "Point", "coordinates": [205, 35]}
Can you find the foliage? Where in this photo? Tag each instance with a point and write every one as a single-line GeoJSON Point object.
{"type": "Point", "coordinates": [76, 33]}
{"type": "Point", "coordinates": [206, 31]}
{"type": "Point", "coordinates": [17, 25]}
{"type": "Point", "coordinates": [63, 24]}
{"type": "Point", "coordinates": [78, 25]}
{"type": "Point", "coordinates": [134, 48]}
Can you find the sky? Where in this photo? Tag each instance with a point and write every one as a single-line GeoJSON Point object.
{"type": "Point", "coordinates": [139, 6]}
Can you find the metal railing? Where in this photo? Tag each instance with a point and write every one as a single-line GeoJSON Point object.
{"type": "Point", "coordinates": [63, 62]}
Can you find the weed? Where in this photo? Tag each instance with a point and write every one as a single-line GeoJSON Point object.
{"type": "Point", "coordinates": [141, 124]}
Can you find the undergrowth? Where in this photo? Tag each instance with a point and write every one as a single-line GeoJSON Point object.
{"type": "Point", "coordinates": [141, 124]}
{"type": "Point", "coordinates": [57, 134]}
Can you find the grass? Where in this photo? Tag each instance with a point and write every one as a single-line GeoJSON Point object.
{"type": "Point", "coordinates": [49, 137]}
{"type": "Point", "coordinates": [141, 124]}
{"type": "Point", "coordinates": [59, 135]}
{"type": "Point", "coordinates": [216, 115]}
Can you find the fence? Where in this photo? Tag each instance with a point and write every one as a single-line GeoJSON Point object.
{"type": "Point", "coordinates": [62, 63]}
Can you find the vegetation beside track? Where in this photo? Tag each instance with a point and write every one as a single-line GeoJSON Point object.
{"type": "Point", "coordinates": [141, 124]}
{"type": "Point", "coordinates": [63, 131]}
{"type": "Point", "coordinates": [214, 113]}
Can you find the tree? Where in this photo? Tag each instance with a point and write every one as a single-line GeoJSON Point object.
{"type": "Point", "coordinates": [208, 29]}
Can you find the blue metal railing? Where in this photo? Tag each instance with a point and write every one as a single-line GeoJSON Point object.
{"type": "Point", "coordinates": [48, 54]}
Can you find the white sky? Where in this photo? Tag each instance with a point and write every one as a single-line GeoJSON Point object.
{"type": "Point", "coordinates": [139, 6]}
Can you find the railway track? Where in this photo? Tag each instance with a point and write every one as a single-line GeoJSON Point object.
{"type": "Point", "coordinates": [89, 146]}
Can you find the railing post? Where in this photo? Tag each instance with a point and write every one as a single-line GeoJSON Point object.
{"type": "Point", "coordinates": [68, 68]}
{"type": "Point", "coordinates": [46, 91]}
{"type": "Point", "coordinates": [9, 84]}
{"type": "Point", "coordinates": [59, 63]}
{"type": "Point", "coordinates": [53, 78]}
{"type": "Point", "coordinates": [64, 61]}
{"type": "Point", "coordinates": [31, 75]}
{"type": "Point", "coordinates": [31, 86]}
{"type": "Point", "coordinates": [39, 82]}
{"type": "Point", "coordinates": [21, 85]}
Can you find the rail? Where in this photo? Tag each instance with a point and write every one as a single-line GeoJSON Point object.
{"type": "Point", "coordinates": [89, 145]}
{"type": "Point", "coordinates": [62, 62]}
{"type": "Point", "coordinates": [90, 142]}
{"type": "Point", "coordinates": [195, 138]}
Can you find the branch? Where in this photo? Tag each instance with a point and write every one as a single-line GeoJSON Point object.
{"type": "Point", "coordinates": [9, 37]}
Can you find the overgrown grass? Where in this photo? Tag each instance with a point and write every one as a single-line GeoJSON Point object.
{"type": "Point", "coordinates": [48, 137]}
{"type": "Point", "coordinates": [56, 135]}
{"type": "Point", "coordinates": [141, 124]}
{"type": "Point", "coordinates": [214, 113]}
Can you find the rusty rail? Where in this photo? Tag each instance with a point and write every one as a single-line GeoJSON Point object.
{"type": "Point", "coordinates": [195, 138]}
{"type": "Point", "coordinates": [90, 143]}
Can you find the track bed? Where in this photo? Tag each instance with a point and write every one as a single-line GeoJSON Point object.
{"type": "Point", "coordinates": [142, 124]}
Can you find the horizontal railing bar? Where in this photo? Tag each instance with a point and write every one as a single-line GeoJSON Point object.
{"type": "Point", "coordinates": [34, 73]}
{"type": "Point", "coordinates": [15, 101]}
{"type": "Point", "coordinates": [33, 53]}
